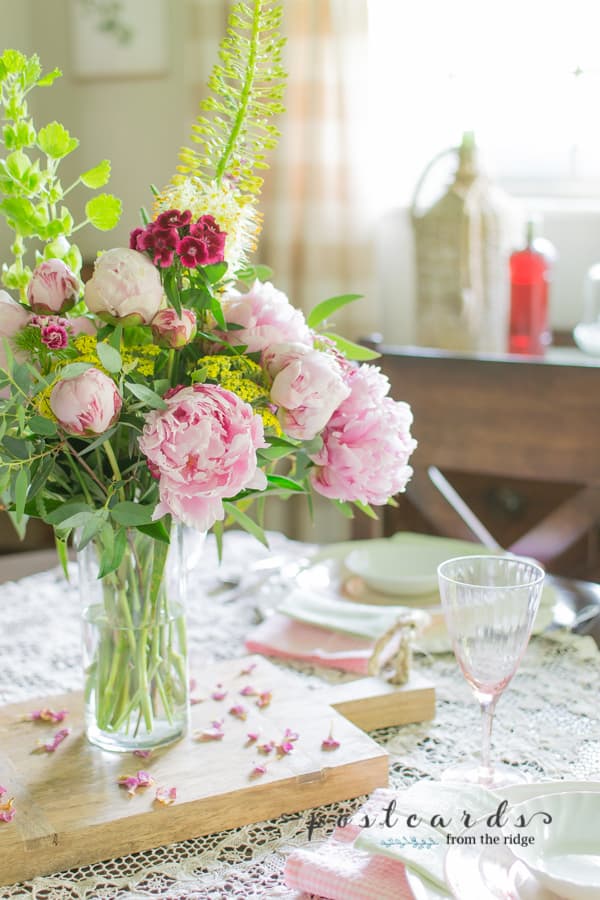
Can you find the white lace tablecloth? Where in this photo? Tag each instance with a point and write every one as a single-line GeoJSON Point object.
{"type": "Point", "coordinates": [548, 724]}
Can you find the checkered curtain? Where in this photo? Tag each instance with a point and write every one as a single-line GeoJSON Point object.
{"type": "Point", "coordinates": [316, 234]}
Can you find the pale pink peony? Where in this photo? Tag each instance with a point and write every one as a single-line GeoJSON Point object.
{"type": "Point", "coordinates": [53, 288]}
{"type": "Point", "coordinates": [307, 386]}
{"type": "Point", "coordinates": [202, 448]}
{"type": "Point", "coordinates": [85, 405]}
{"type": "Point", "coordinates": [13, 318]}
{"type": "Point", "coordinates": [266, 316]}
{"type": "Point", "coordinates": [170, 330]}
{"type": "Point", "coordinates": [81, 325]}
{"type": "Point", "coordinates": [125, 285]}
{"type": "Point", "coordinates": [366, 443]}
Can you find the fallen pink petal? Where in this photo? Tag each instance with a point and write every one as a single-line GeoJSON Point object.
{"type": "Point", "coordinates": [239, 712]}
{"type": "Point", "coordinates": [210, 734]}
{"type": "Point", "coordinates": [50, 746]}
{"type": "Point", "coordinates": [7, 810]}
{"type": "Point", "coordinates": [249, 669]}
{"type": "Point", "coordinates": [258, 771]}
{"type": "Point", "coordinates": [289, 735]}
{"type": "Point", "coordinates": [248, 691]}
{"type": "Point", "coordinates": [219, 693]}
{"type": "Point", "coordinates": [46, 715]}
{"type": "Point", "coordinates": [285, 747]}
{"type": "Point", "coordinates": [165, 795]}
{"type": "Point", "coordinates": [267, 747]}
{"type": "Point", "coordinates": [252, 737]}
{"type": "Point", "coordinates": [330, 743]}
{"type": "Point", "coordinates": [2, 791]}
{"type": "Point", "coordinates": [143, 754]}
{"type": "Point", "coordinates": [264, 699]}
{"type": "Point", "coordinates": [131, 783]}
{"type": "Point", "coordinates": [196, 700]}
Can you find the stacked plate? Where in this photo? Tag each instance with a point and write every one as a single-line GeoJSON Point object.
{"type": "Point", "coordinates": [549, 847]}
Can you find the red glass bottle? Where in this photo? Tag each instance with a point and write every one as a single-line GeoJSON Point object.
{"type": "Point", "coordinates": [529, 279]}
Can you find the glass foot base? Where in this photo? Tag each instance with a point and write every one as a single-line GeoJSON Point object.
{"type": "Point", "coordinates": [162, 734]}
{"type": "Point", "coordinates": [498, 776]}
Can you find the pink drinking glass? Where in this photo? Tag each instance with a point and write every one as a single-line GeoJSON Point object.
{"type": "Point", "coordinates": [489, 603]}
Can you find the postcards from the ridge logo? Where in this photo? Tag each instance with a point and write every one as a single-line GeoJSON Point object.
{"type": "Point", "coordinates": [502, 827]}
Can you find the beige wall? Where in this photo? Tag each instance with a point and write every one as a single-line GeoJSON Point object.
{"type": "Point", "coordinates": [139, 124]}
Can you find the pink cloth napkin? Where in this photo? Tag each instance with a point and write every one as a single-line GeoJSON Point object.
{"type": "Point", "coordinates": [287, 638]}
{"type": "Point", "coordinates": [335, 870]}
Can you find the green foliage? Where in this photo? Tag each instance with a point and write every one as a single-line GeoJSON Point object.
{"type": "Point", "coordinates": [31, 194]}
{"type": "Point", "coordinates": [247, 87]}
{"type": "Point", "coordinates": [326, 308]}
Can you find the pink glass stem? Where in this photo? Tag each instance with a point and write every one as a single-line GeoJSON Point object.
{"type": "Point", "coordinates": [488, 708]}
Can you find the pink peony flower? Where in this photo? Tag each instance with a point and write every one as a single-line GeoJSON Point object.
{"type": "Point", "coordinates": [53, 287]}
{"type": "Point", "coordinates": [125, 285]}
{"type": "Point", "coordinates": [13, 318]}
{"type": "Point", "coordinates": [307, 386]}
{"type": "Point", "coordinates": [203, 448]}
{"type": "Point", "coordinates": [169, 330]}
{"type": "Point", "coordinates": [366, 443]}
{"type": "Point", "coordinates": [87, 404]}
{"type": "Point", "coordinates": [81, 325]}
{"type": "Point", "coordinates": [266, 316]}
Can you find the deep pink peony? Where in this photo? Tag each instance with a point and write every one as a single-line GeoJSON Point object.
{"type": "Point", "coordinates": [366, 443]}
{"type": "Point", "coordinates": [307, 386]}
{"type": "Point", "coordinates": [53, 288]}
{"type": "Point", "coordinates": [266, 316]}
{"type": "Point", "coordinates": [170, 330]}
{"type": "Point", "coordinates": [88, 404]}
{"type": "Point", "coordinates": [203, 450]}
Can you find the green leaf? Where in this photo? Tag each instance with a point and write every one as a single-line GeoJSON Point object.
{"type": "Point", "coordinates": [344, 508]}
{"type": "Point", "coordinates": [55, 141]}
{"type": "Point", "coordinates": [50, 78]}
{"type": "Point", "coordinates": [366, 509]}
{"type": "Point", "coordinates": [21, 485]}
{"type": "Point", "coordinates": [350, 349]}
{"type": "Point", "coordinates": [275, 452]}
{"type": "Point", "coordinates": [280, 481]}
{"type": "Point", "coordinates": [113, 555]}
{"type": "Point", "coordinates": [72, 370]}
{"type": "Point", "coordinates": [98, 176]}
{"type": "Point", "coordinates": [245, 521]}
{"type": "Point", "coordinates": [251, 273]}
{"type": "Point", "coordinates": [146, 395]}
{"type": "Point", "coordinates": [129, 513]}
{"type": "Point", "coordinates": [215, 271]}
{"type": "Point", "coordinates": [17, 448]}
{"type": "Point", "coordinates": [156, 530]}
{"type": "Point", "coordinates": [115, 338]}
{"type": "Point", "coordinates": [103, 211]}
{"type": "Point", "coordinates": [326, 308]}
{"type": "Point", "coordinates": [109, 357]}
{"type": "Point", "coordinates": [61, 550]}
{"type": "Point", "coordinates": [65, 511]}
{"type": "Point", "coordinates": [91, 528]}
{"type": "Point", "coordinates": [43, 426]}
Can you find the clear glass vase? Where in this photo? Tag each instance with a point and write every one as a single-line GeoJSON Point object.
{"type": "Point", "coordinates": [134, 643]}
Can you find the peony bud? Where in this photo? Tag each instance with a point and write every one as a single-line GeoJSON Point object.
{"type": "Point", "coordinates": [88, 404]}
{"type": "Point", "coordinates": [53, 288]}
{"type": "Point", "coordinates": [171, 331]}
{"type": "Point", "coordinates": [125, 286]}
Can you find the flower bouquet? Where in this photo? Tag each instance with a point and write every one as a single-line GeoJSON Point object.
{"type": "Point", "coordinates": [179, 387]}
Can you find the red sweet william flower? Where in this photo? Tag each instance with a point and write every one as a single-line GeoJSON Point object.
{"type": "Point", "coordinates": [133, 238]}
{"type": "Point", "coordinates": [54, 336]}
{"type": "Point", "coordinates": [205, 244]}
{"type": "Point", "coordinates": [160, 242]}
{"type": "Point", "coordinates": [172, 218]}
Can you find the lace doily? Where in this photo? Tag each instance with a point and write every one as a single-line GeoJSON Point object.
{"type": "Point", "coordinates": [547, 724]}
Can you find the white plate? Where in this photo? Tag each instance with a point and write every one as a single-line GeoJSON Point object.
{"type": "Point", "coordinates": [326, 572]}
{"type": "Point", "coordinates": [481, 872]}
{"type": "Point", "coordinates": [565, 855]}
{"type": "Point", "coordinates": [407, 563]}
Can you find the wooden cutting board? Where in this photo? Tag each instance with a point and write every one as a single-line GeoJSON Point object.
{"type": "Point", "coordinates": [71, 812]}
